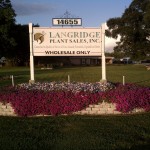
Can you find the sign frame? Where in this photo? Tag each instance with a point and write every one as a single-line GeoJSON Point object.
{"type": "Point", "coordinates": [32, 78]}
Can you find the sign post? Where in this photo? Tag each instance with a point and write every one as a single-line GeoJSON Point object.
{"type": "Point", "coordinates": [103, 54]}
{"type": "Point", "coordinates": [32, 80]}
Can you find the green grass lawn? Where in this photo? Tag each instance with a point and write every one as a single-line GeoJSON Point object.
{"type": "Point", "coordinates": [133, 74]}
{"type": "Point", "coordinates": [76, 132]}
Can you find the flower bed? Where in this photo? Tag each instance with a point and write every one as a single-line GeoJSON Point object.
{"type": "Point", "coordinates": [56, 98]}
{"type": "Point", "coordinates": [73, 86]}
{"type": "Point", "coordinates": [129, 97]}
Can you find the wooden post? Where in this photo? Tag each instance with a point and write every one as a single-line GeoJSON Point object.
{"type": "Point", "coordinates": [32, 80]}
{"type": "Point", "coordinates": [103, 53]}
{"type": "Point", "coordinates": [123, 80]}
{"type": "Point", "coordinates": [68, 78]}
{"type": "Point", "coordinates": [12, 80]}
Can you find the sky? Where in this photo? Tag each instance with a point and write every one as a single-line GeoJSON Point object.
{"type": "Point", "coordinates": [92, 12]}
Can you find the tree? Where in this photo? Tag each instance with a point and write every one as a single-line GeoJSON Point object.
{"type": "Point", "coordinates": [134, 29]}
{"type": "Point", "coordinates": [21, 51]}
{"type": "Point", "coordinates": [7, 21]}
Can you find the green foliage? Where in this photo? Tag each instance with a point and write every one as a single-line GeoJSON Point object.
{"type": "Point", "coordinates": [14, 39]}
{"type": "Point", "coordinates": [7, 20]}
{"type": "Point", "coordinates": [134, 28]}
{"type": "Point", "coordinates": [147, 16]}
{"type": "Point", "coordinates": [21, 51]}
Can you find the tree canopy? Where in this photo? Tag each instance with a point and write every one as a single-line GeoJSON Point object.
{"type": "Point", "coordinates": [133, 27]}
{"type": "Point", "coordinates": [7, 20]}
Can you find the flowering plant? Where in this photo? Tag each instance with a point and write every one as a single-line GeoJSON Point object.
{"type": "Point", "coordinates": [63, 98]}
{"type": "Point", "coordinates": [129, 97]}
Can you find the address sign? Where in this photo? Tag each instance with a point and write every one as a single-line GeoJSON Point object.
{"type": "Point", "coordinates": [67, 21]}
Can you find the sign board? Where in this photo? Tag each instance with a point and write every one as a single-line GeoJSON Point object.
{"type": "Point", "coordinates": [66, 21]}
{"type": "Point", "coordinates": [66, 41]}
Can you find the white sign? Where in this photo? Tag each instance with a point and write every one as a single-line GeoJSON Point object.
{"type": "Point", "coordinates": [67, 22]}
{"type": "Point", "coordinates": [66, 41]}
